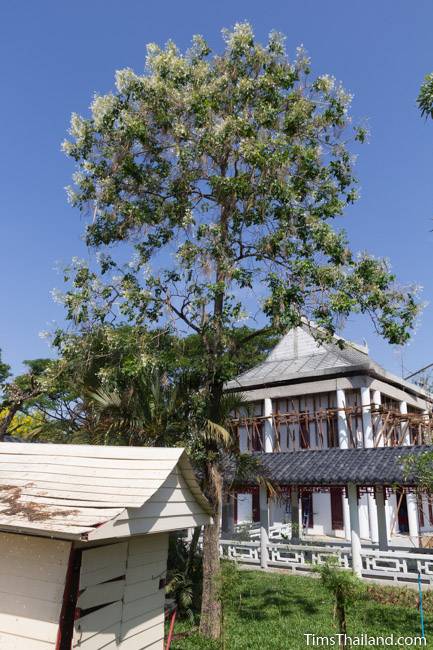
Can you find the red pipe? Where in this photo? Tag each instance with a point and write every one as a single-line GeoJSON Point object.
{"type": "Point", "coordinates": [171, 630]}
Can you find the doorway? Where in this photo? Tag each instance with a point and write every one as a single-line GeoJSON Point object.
{"type": "Point", "coordinates": [307, 510]}
{"type": "Point", "coordinates": [403, 521]}
{"type": "Point", "coordinates": [337, 518]}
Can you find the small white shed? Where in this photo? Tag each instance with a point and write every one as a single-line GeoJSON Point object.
{"type": "Point", "coordinates": [83, 543]}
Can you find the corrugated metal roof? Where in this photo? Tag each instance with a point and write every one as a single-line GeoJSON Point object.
{"type": "Point", "coordinates": [69, 490]}
{"type": "Point", "coordinates": [363, 466]}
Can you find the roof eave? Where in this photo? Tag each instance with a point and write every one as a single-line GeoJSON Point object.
{"type": "Point", "coordinates": [371, 369]}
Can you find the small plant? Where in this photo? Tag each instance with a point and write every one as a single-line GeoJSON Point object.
{"type": "Point", "coordinates": [243, 532]}
{"type": "Point", "coordinates": [345, 589]}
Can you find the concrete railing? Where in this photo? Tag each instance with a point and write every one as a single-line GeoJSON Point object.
{"type": "Point", "coordinates": [394, 566]}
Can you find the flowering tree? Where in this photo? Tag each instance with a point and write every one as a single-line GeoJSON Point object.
{"type": "Point", "coordinates": [212, 182]}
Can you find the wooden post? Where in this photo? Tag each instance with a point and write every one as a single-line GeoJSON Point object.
{"type": "Point", "coordinates": [381, 518]}
{"type": "Point", "coordinates": [294, 502]}
{"type": "Point", "coordinates": [352, 494]}
{"type": "Point", "coordinates": [264, 527]}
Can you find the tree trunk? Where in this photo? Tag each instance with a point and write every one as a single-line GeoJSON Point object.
{"type": "Point", "coordinates": [7, 419]}
{"type": "Point", "coordinates": [340, 611]}
{"type": "Point", "coordinates": [210, 621]}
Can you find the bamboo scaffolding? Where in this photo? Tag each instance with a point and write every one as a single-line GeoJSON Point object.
{"type": "Point", "coordinates": [390, 427]}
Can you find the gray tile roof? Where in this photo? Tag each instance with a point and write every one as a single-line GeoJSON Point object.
{"type": "Point", "coordinates": [365, 467]}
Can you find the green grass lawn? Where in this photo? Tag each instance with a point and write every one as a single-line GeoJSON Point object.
{"type": "Point", "coordinates": [273, 611]}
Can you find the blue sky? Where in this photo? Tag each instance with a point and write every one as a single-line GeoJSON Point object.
{"type": "Point", "coordinates": [55, 55]}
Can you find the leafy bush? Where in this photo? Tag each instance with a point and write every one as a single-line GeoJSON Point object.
{"type": "Point", "coordinates": [184, 575]}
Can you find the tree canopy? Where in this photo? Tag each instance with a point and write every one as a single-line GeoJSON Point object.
{"type": "Point", "coordinates": [222, 174]}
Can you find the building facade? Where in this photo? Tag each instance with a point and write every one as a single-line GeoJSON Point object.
{"type": "Point", "coordinates": [310, 395]}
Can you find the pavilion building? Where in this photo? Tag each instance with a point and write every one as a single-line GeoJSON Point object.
{"type": "Point", "coordinates": [319, 395]}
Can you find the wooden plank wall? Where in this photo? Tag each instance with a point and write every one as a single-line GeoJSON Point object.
{"type": "Point", "coordinates": [171, 507]}
{"type": "Point", "coordinates": [32, 579]}
{"type": "Point", "coordinates": [122, 605]}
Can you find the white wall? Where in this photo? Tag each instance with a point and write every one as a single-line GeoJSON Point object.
{"type": "Point", "coordinates": [280, 511]}
{"type": "Point", "coordinates": [171, 507]}
{"type": "Point", "coordinates": [321, 514]}
{"type": "Point", "coordinates": [32, 580]}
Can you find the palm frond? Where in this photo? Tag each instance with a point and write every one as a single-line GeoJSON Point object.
{"type": "Point", "coordinates": [105, 399]}
{"type": "Point", "coordinates": [216, 433]}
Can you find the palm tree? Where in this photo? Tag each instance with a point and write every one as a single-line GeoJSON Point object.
{"type": "Point", "coordinates": [148, 412]}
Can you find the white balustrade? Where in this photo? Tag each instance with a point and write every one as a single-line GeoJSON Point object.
{"type": "Point", "coordinates": [398, 565]}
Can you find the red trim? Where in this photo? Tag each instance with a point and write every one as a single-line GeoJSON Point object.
{"type": "Point", "coordinates": [70, 595]}
{"type": "Point", "coordinates": [256, 505]}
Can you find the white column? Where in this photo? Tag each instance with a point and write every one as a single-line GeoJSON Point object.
{"type": "Point", "coordinates": [412, 515]}
{"type": "Point", "coordinates": [294, 503]}
{"type": "Point", "coordinates": [243, 435]}
{"type": "Point", "coordinates": [411, 499]}
{"type": "Point", "coordinates": [367, 426]}
{"type": "Point", "coordinates": [354, 529]}
{"type": "Point", "coordinates": [343, 429]}
{"type": "Point", "coordinates": [268, 425]}
{"type": "Point", "coordinates": [403, 411]}
{"type": "Point", "coordinates": [381, 518]}
{"type": "Point", "coordinates": [264, 527]}
{"type": "Point", "coordinates": [343, 442]}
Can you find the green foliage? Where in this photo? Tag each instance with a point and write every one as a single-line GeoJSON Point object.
{"type": "Point", "coordinates": [345, 589]}
{"type": "Point", "coordinates": [184, 577]}
{"type": "Point", "coordinates": [425, 97]}
{"type": "Point", "coordinates": [340, 583]}
{"type": "Point", "coordinates": [420, 470]}
{"type": "Point", "coordinates": [4, 370]}
{"type": "Point", "coordinates": [119, 385]}
{"type": "Point", "coordinates": [20, 399]}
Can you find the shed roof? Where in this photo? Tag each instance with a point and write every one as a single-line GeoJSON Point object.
{"type": "Point", "coordinates": [335, 466]}
{"type": "Point", "coordinates": [300, 356]}
{"type": "Point", "coordinates": [70, 490]}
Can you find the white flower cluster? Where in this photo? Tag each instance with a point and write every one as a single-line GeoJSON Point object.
{"type": "Point", "coordinates": [326, 82]}
{"type": "Point", "coordinates": [124, 79]}
{"type": "Point", "coordinates": [101, 106]}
